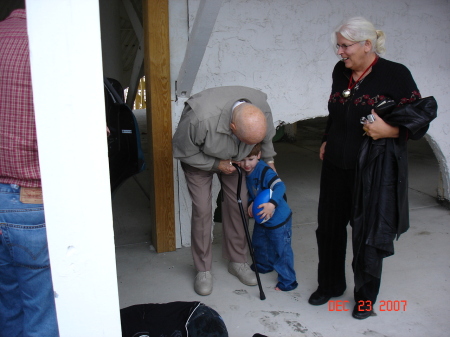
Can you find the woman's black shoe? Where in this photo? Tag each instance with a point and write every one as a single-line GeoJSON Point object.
{"type": "Point", "coordinates": [318, 297]}
{"type": "Point", "coordinates": [362, 311]}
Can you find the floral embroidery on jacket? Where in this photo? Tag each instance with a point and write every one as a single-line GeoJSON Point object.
{"type": "Point", "coordinates": [367, 100]}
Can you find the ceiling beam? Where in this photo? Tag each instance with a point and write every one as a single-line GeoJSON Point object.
{"type": "Point", "coordinates": [198, 40]}
{"type": "Point", "coordinates": [139, 59]}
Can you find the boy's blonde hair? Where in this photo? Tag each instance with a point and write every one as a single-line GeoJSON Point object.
{"type": "Point", "coordinates": [255, 151]}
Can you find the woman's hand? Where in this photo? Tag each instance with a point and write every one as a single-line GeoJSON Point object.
{"type": "Point", "coordinates": [380, 129]}
{"type": "Point", "coordinates": [322, 150]}
{"type": "Point", "coordinates": [250, 210]}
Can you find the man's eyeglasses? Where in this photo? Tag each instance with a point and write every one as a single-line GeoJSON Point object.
{"type": "Point", "coordinates": [344, 46]}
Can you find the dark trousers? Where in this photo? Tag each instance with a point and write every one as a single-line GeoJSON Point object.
{"type": "Point", "coordinates": [368, 292]}
{"type": "Point", "coordinates": [335, 204]}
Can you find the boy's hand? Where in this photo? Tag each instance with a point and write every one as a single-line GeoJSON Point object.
{"type": "Point", "coordinates": [267, 210]}
{"type": "Point", "coordinates": [250, 211]}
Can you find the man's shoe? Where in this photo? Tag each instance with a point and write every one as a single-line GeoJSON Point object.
{"type": "Point", "coordinates": [243, 272]}
{"type": "Point", "coordinates": [318, 297]}
{"type": "Point", "coordinates": [362, 311]}
{"type": "Point", "coordinates": [203, 284]}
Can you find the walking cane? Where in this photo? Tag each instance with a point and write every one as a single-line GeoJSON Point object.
{"type": "Point", "coordinates": [247, 234]}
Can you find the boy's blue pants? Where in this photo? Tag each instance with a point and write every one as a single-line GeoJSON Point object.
{"type": "Point", "coordinates": [273, 251]}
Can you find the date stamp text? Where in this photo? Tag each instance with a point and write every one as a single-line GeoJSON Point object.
{"type": "Point", "coordinates": [396, 305]}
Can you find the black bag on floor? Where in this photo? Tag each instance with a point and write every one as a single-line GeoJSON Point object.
{"type": "Point", "coordinates": [175, 319]}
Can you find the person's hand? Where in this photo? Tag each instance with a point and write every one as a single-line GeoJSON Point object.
{"type": "Point", "coordinates": [226, 166]}
{"type": "Point", "coordinates": [380, 129]}
{"type": "Point", "coordinates": [272, 166]}
{"type": "Point", "coordinates": [267, 211]}
{"type": "Point", "coordinates": [250, 210]}
{"type": "Point", "coordinates": [322, 150]}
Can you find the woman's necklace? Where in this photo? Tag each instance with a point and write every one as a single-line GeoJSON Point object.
{"type": "Point", "coordinates": [347, 92]}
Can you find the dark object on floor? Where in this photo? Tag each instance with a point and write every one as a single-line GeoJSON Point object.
{"type": "Point", "coordinates": [259, 335]}
{"type": "Point", "coordinates": [174, 319]}
{"type": "Point", "coordinates": [206, 322]}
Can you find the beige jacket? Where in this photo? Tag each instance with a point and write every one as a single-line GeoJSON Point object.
{"type": "Point", "coordinates": [203, 136]}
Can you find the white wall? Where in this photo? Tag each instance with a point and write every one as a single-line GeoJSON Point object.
{"type": "Point", "coordinates": [283, 48]}
{"type": "Point", "coordinates": [66, 65]}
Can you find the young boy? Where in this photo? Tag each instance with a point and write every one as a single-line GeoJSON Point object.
{"type": "Point", "coordinates": [272, 238]}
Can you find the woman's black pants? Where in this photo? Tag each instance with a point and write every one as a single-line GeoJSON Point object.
{"type": "Point", "coordinates": [335, 204]}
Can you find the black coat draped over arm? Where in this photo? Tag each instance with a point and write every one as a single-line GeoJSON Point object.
{"type": "Point", "coordinates": [380, 207]}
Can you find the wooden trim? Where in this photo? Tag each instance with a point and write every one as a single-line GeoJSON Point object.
{"type": "Point", "coordinates": [159, 121]}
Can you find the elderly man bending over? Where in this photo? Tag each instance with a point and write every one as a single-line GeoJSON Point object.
{"type": "Point", "coordinates": [220, 126]}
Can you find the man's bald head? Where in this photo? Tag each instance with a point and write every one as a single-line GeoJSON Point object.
{"type": "Point", "coordinates": [248, 123]}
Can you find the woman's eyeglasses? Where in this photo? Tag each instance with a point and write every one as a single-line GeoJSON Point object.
{"type": "Point", "coordinates": [344, 46]}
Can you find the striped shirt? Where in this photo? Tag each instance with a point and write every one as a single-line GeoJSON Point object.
{"type": "Point", "coordinates": [19, 163]}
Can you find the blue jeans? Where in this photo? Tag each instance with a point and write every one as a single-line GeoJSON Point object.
{"type": "Point", "coordinates": [27, 303]}
{"type": "Point", "coordinates": [273, 251]}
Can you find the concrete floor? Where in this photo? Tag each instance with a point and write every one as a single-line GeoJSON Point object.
{"type": "Point", "coordinates": [415, 286]}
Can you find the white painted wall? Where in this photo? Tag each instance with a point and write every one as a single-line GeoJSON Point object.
{"type": "Point", "coordinates": [283, 48]}
{"type": "Point", "coordinates": [66, 64]}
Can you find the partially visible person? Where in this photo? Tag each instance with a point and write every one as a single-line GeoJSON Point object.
{"type": "Point", "coordinates": [271, 239]}
{"type": "Point", "coordinates": [27, 304]}
{"type": "Point", "coordinates": [219, 127]}
{"type": "Point", "coordinates": [361, 79]}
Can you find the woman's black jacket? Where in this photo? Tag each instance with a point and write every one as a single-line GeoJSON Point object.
{"type": "Point", "coordinates": [380, 208]}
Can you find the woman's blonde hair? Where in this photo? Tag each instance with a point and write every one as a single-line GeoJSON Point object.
{"type": "Point", "coordinates": [358, 29]}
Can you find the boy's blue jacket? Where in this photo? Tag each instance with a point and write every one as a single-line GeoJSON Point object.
{"type": "Point", "coordinates": [264, 177]}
